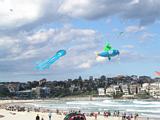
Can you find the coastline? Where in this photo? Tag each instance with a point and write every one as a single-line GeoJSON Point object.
{"type": "Point", "coordinates": [31, 116]}
{"type": "Point", "coordinates": [44, 113]}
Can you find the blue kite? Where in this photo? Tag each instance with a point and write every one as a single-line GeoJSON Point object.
{"type": "Point", "coordinates": [47, 63]}
{"type": "Point", "coordinates": [108, 52]}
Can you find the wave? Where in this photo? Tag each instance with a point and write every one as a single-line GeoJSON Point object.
{"type": "Point", "coordinates": [145, 102]}
{"type": "Point", "coordinates": [143, 111]}
{"type": "Point", "coordinates": [79, 103]}
{"type": "Point", "coordinates": [107, 101]}
{"type": "Point", "coordinates": [150, 115]}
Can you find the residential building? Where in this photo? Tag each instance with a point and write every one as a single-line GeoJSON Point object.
{"type": "Point", "coordinates": [116, 89]}
{"type": "Point", "coordinates": [24, 94]}
{"type": "Point", "coordinates": [110, 91]}
{"type": "Point", "coordinates": [125, 89]}
{"type": "Point", "coordinates": [41, 91]}
{"type": "Point", "coordinates": [101, 91]}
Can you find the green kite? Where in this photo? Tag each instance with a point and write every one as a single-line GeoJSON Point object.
{"type": "Point", "coordinates": [107, 47]}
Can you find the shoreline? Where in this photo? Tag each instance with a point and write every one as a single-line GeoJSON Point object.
{"type": "Point", "coordinates": [4, 103]}
{"type": "Point", "coordinates": [74, 98]}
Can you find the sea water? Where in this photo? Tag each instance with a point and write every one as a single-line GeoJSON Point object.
{"type": "Point", "coordinates": [146, 108]}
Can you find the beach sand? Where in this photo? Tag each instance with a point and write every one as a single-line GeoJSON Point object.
{"type": "Point", "coordinates": [14, 115]}
{"type": "Point", "coordinates": [8, 115]}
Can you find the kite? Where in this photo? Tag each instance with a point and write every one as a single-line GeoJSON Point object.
{"type": "Point", "coordinates": [157, 73]}
{"type": "Point", "coordinates": [47, 63]}
{"type": "Point", "coordinates": [75, 116]}
{"type": "Point", "coordinates": [108, 52]}
{"type": "Point", "coordinates": [121, 33]}
{"type": "Point", "coordinates": [107, 47]}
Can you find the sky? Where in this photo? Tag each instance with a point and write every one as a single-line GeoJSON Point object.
{"type": "Point", "coordinates": [34, 30]}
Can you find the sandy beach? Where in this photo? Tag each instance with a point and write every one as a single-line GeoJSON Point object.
{"type": "Point", "coordinates": [31, 115]}
{"type": "Point", "coordinates": [8, 115]}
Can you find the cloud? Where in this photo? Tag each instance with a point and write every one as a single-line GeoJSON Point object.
{"type": "Point", "coordinates": [134, 29]}
{"type": "Point", "coordinates": [128, 46]}
{"type": "Point", "coordinates": [146, 36]}
{"type": "Point", "coordinates": [8, 47]}
{"type": "Point", "coordinates": [127, 9]}
{"type": "Point", "coordinates": [31, 47]}
{"type": "Point", "coordinates": [85, 65]}
{"type": "Point", "coordinates": [26, 15]}
{"type": "Point", "coordinates": [131, 56]}
{"type": "Point", "coordinates": [100, 59]}
{"type": "Point", "coordinates": [19, 12]}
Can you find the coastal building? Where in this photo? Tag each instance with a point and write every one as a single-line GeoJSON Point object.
{"type": "Point", "coordinates": [13, 88]}
{"type": "Point", "coordinates": [24, 94]}
{"type": "Point", "coordinates": [125, 89]}
{"type": "Point", "coordinates": [42, 82]}
{"type": "Point", "coordinates": [154, 90]}
{"type": "Point", "coordinates": [91, 78]}
{"type": "Point", "coordinates": [134, 89]}
{"type": "Point", "coordinates": [73, 88]}
{"type": "Point", "coordinates": [3, 90]}
{"type": "Point", "coordinates": [101, 91]}
{"type": "Point", "coordinates": [41, 92]}
{"type": "Point", "coordinates": [156, 84]}
{"type": "Point", "coordinates": [145, 85]}
{"type": "Point", "coordinates": [110, 91]}
{"type": "Point", "coordinates": [116, 89]}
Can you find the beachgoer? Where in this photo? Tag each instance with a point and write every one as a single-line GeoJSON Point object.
{"type": "Point", "coordinates": [118, 113]}
{"type": "Point", "coordinates": [95, 115]}
{"type": "Point", "coordinates": [109, 113]}
{"type": "Point", "coordinates": [42, 118]}
{"type": "Point", "coordinates": [57, 111]}
{"type": "Point", "coordinates": [37, 117]}
{"type": "Point", "coordinates": [50, 115]}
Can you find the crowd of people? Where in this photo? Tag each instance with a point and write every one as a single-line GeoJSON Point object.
{"type": "Point", "coordinates": [106, 114]}
{"type": "Point", "coordinates": [124, 116]}
{"type": "Point", "coordinates": [49, 116]}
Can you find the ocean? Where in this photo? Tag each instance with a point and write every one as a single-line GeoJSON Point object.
{"type": "Point", "coordinates": [145, 108]}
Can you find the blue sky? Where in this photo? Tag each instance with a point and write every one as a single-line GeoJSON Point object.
{"type": "Point", "coordinates": [33, 30]}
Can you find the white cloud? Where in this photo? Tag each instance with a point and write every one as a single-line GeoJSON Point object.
{"type": "Point", "coordinates": [79, 7]}
{"type": "Point", "coordinates": [146, 36]}
{"type": "Point", "coordinates": [141, 10]}
{"type": "Point", "coordinates": [135, 2]}
{"type": "Point", "coordinates": [100, 59]}
{"type": "Point", "coordinates": [85, 65]}
{"type": "Point", "coordinates": [19, 12]}
{"type": "Point", "coordinates": [41, 36]}
{"type": "Point", "coordinates": [128, 46]}
{"type": "Point", "coordinates": [27, 14]}
{"type": "Point", "coordinates": [134, 29]}
{"type": "Point", "coordinates": [130, 55]}
{"type": "Point", "coordinates": [32, 47]}
{"type": "Point", "coordinates": [7, 42]}
{"type": "Point", "coordinates": [9, 47]}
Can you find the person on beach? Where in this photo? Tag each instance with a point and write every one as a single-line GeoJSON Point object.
{"type": "Point", "coordinates": [136, 116]}
{"type": "Point", "coordinates": [50, 115]}
{"type": "Point", "coordinates": [37, 117]}
{"type": "Point", "coordinates": [95, 115]}
{"type": "Point", "coordinates": [118, 113]}
{"type": "Point", "coordinates": [42, 118]}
